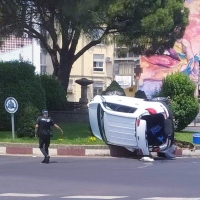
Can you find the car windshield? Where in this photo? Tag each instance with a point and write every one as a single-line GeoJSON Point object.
{"type": "Point", "coordinates": [119, 108]}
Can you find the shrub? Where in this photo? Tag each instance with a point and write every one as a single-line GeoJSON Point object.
{"type": "Point", "coordinates": [18, 80]}
{"type": "Point", "coordinates": [55, 93]}
{"type": "Point", "coordinates": [183, 103]}
{"type": "Point", "coordinates": [26, 124]}
{"type": "Point", "coordinates": [176, 84]}
{"type": "Point", "coordinates": [140, 94]}
{"type": "Point", "coordinates": [115, 88]}
{"type": "Point", "coordinates": [13, 71]}
{"type": "Point", "coordinates": [185, 109]}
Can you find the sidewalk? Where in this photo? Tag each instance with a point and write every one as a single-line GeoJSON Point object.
{"type": "Point", "coordinates": [82, 150]}
{"type": "Point", "coordinates": [193, 127]}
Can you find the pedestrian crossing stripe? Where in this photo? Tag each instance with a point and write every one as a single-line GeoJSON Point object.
{"type": "Point", "coordinates": [22, 195]}
{"type": "Point", "coordinates": [94, 197]}
{"type": "Point", "coordinates": [171, 198]}
{"type": "Point", "coordinates": [64, 197]}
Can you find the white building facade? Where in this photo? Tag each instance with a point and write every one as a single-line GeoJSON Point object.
{"type": "Point", "coordinates": [25, 49]}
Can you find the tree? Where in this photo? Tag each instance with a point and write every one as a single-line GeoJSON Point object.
{"type": "Point", "coordinates": [54, 93]}
{"type": "Point", "coordinates": [147, 25]}
{"type": "Point", "coordinates": [140, 94]}
{"type": "Point", "coordinates": [183, 103]}
{"type": "Point", "coordinates": [114, 88]}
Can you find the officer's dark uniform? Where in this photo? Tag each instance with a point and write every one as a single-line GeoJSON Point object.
{"type": "Point", "coordinates": [44, 130]}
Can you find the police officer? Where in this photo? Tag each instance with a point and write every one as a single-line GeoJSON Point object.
{"type": "Point", "coordinates": [43, 131]}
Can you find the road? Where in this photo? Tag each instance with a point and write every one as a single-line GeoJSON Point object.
{"type": "Point", "coordinates": [98, 178]}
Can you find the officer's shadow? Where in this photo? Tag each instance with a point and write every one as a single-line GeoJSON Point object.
{"type": "Point", "coordinates": [52, 162]}
{"type": "Point", "coordinates": [58, 162]}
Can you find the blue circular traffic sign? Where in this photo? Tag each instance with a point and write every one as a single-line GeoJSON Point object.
{"type": "Point", "coordinates": [11, 105]}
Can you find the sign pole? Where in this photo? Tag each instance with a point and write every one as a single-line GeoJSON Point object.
{"type": "Point", "coordinates": [11, 106]}
{"type": "Point", "coordinates": [13, 125]}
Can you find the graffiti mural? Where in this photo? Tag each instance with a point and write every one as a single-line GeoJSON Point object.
{"type": "Point", "coordinates": [183, 57]}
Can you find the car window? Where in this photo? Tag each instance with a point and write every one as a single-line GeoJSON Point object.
{"type": "Point", "coordinates": [119, 108]}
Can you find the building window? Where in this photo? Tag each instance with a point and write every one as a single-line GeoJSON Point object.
{"type": "Point", "coordinates": [124, 52]}
{"type": "Point", "coordinates": [43, 66]}
{"type": "Point", "coordinates": [42, 59]}
{"type": "Point", "coordinates": [97, 88]}
{"type": "Point", "coordinates": [98, 60]}
{"type": "Point", "coordinates": [43, 69]}
{"type": "Point", "coordinates": [70, 86]}
{"type": "Point", "coordinates": [126, 68]}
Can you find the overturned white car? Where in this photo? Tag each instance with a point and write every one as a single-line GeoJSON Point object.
{"type": "Point", "coordinates": [133, 123]}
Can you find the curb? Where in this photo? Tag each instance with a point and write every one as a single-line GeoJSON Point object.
{"type": "Point", "coordinates": [54, 150]}
{"type": "Point", "coordinates": [82, 150]}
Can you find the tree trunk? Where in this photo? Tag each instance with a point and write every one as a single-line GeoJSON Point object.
{"type": "Point", "coordinates": [55, 69]}
{"type": "Point", "coordinates": [55, 63]}
{"type": "Point", "coordinates": [64, 70]}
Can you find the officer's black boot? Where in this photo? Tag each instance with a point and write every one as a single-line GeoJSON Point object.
{"type": "Point", "coordinates": [44, 161]}
{"type": "Point", "coordinates": [47, 159]}
{"type": "Point", "coordinates": [45, 155]}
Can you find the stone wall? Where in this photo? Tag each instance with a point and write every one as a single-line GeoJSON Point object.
{"type": "Point", "coordinates": [80, 116]}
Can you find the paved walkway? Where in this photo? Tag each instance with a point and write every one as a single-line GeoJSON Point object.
{"type": "Point", "coordinates": [193, 127]}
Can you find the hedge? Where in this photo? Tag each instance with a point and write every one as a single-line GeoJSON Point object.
{"type": "Point", "coordinates": [18, 80]}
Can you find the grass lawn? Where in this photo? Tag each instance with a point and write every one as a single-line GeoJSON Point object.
{"type": "Point", "coordinates": [184, 136]}
{"type": "Point", "coordinates": [76, 134]}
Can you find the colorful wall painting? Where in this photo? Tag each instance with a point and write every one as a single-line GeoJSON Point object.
{"type": "Point", "coordinates": [183, 57]}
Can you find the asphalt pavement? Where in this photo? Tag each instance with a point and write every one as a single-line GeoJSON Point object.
{"type": "Point", "coordinates": [23, 177]}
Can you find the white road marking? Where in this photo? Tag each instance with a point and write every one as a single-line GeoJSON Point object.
{"type": "Point", "coordinates": [171, 198]}
{"type": "Point", "coordinates": [145, 165]}
{"type": "Point", "coordinates": [22, 195]}
{"type": "Point", "coordinates": [94, 197]}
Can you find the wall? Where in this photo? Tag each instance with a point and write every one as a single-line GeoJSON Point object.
{"type": "Point", "coordinates": [80, 116]}
{"type": "Point", "coordinates": [183, 57]}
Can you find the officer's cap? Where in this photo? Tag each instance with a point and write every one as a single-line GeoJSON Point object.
{"type": "Point", "coordinates": [44, 111]}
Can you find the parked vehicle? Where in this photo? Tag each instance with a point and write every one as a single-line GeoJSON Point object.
{"type": "Point", "coordinates": [133, 123]}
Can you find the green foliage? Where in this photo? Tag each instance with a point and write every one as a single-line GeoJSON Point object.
{"type": "Point", "coordinates": [55, 93]}
{"type": "Point", "coordinates": [177, 83]}
{"type": "Point", "coordinates": [184, 105]}
{"type": "Point", "coordinates": [140, 94]}
{"type": "Point", "coordinates": [115, 88]}
{"type": "Point", "coordinates": [18, 80]}
{"type": "Point", "coordinates": [185, 109]}
{"type": "Point", "coordinates": [151, 24]}
{"type": "Point", "coordinates": [27, 119]}
{"type": "Point", "coordinates": [13, 71]}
